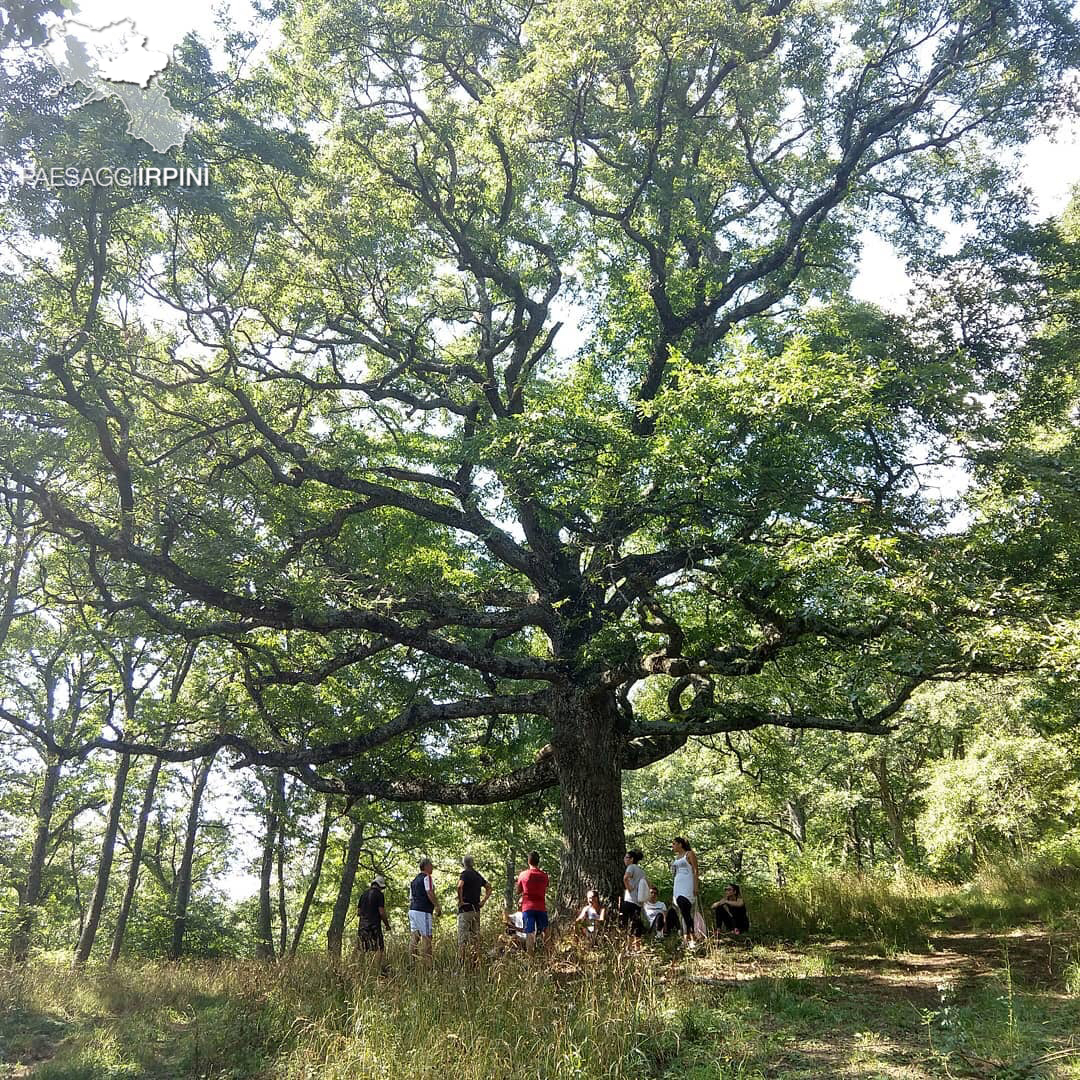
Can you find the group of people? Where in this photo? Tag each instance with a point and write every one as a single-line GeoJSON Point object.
{"type": "Point", "coordinates": [473, 892]}
{"type": "Point", "coordinates": [640, 911]}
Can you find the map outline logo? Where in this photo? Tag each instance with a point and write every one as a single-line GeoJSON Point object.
{"type": "Point", "coordinates": [113, 61]}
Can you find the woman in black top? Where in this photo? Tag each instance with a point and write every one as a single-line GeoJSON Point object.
{"type": "Point", "coordinates": [730, 913]}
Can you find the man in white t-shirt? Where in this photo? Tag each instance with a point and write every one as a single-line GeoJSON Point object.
{"type": "Point", "coordinates": [515, 936]}
{"type": "Point", "coordinates": [655, 912]}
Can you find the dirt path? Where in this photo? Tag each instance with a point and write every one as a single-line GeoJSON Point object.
{"type": "Point", "coordinates": [972, 1004]}
{"type": "Point", "coordinates": [1036, 960]}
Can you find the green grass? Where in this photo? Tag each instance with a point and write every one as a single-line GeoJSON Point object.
{"type": "Point", "coordinates": [1012, 891]}
{"type": "Point", "coordinates": [838, 979]}
{"type": "Point", "coordinates": [311, 1019]}
{"type": "Point", "coordinates": [894, 910]}
{"type": "Point", "coordinates": [1001, 1029]}
{"type": "Point", "coordinates": [734, 1013]}
{"type": "Point", "coordinates": [898, 908]}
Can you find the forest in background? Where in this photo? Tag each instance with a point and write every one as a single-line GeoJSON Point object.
{"type": "Point", "coordinates": [988, 776]}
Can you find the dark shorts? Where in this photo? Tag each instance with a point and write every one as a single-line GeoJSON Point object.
{"type": "Point", "coordinates": [371, 938]}
{"type": "Point", "coordinates": [534, 922]}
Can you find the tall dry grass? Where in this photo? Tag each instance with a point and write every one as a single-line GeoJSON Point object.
{"type": "Point", "coordinates": [894, 909]}
{"type": "Point", "coordinates": [610, 1013]}
{"type": "Point", "coordinates": [568, 1016]}
{"type": "Point", "coordinates": [898, 907]}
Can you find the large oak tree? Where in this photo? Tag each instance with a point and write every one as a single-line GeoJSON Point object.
{"type": "Point", "coordinates": [496, 404]}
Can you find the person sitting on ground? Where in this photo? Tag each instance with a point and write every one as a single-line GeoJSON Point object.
{"type": "Point", "coordinates": [514, 936]}
{"type": "Point", "coordinates": [592, 916]}
{"type": "Point", "coordinates": [730, 913]}
{"type": "Point", "coordinates": [658, 916]}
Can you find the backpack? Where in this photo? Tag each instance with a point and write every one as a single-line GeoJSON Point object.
{"type": "Point", "coordinates": [700, 930]}
{"type": "Point", "coordinates": [643, 891]}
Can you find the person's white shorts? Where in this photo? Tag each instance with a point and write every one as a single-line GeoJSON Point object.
{"type": "Point", "coordinates": [420, 922]}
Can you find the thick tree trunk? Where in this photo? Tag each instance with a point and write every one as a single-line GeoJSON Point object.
{"type": "Point", "coordinates": [136, 862]}
{"type": "Point", "coordinates": [586, 742]}
{"type": "Point", "coordinates": [264, 930]}
{"type": "Point", "coordinates": [313, 884]}
{"type": "Point", "coordinates": [183, 876]}
{"type": "Point", "coordinates": [101, 882]}
{"type": "Point", "coordinates": [335, 933]}
{"type": "Point", "coordinates": [31, 893]}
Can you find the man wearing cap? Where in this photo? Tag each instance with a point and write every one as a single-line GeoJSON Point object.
{"type": "Point", "coordinates": [470, 883]}
{"type": "Point", "coordinates": [423, 905]}
{"type": "Point", "coordinates": [372, 912]}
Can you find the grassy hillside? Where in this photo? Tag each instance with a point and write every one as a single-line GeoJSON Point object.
{"type": "Point", "coordinates": [938, 982]}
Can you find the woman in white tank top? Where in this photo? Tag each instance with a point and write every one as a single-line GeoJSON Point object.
{"type": "Point", "coordinates": [685, 891]}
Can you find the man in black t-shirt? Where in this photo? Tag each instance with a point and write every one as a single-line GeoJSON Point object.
{"type": "Point", "coordinates": [372, 912]}
{"type": "Point", "coordinates": [469, 887]}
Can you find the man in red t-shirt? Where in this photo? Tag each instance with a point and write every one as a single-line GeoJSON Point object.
{"type": "Point", "coordinates": [532, 883]}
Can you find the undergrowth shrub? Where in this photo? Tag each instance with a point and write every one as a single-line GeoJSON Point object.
{"type": "Point", "coordinates": [892, 909]}
{"type": "Point", "coordinates": [896, 908]}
